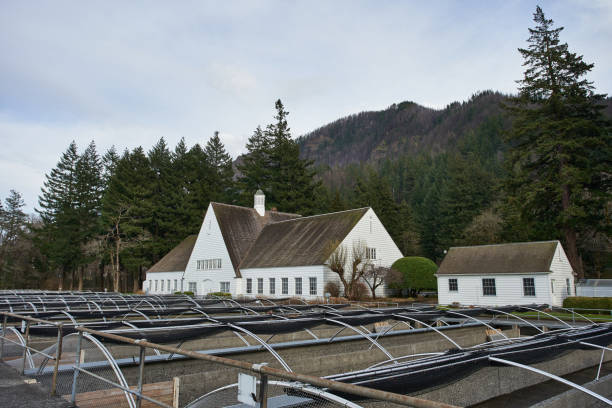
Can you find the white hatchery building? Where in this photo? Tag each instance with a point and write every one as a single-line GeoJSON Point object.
{"type": "Point", "coordinates": [258, 252]}
{"type": "Point", "coordinates": [506, 274]}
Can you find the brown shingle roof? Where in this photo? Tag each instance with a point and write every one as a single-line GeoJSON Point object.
{"type": "Point", "coordinates": [176, 260]}
{"type": "Point", "coordinates": [523, 257]}
{"type": "Point", "coordinates": [299, 242]}
{"type": "Point", "coordinates": [240, 227]}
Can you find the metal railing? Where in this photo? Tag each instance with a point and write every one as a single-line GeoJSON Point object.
{"type": "Point", "coordinates": [135, 395]}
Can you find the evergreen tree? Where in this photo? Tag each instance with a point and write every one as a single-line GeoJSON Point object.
{"type": "Point", "coordinates": [254, 167]}
{"type": "Point", "coordinates": [12, 225]}
{"type": "Point", "coordinates": [560, 142]}
{"type": "Point", "coordinates": [273, 164]}
{"type": "Point", "coordinates": [221, 163]}
{"type": "Point", "coordinates": [127, 213]}
{"type": "Point", "coordinates": [58, 238]}
{"type": "Point", "coordinates": [89, 189]}
{"type": "Point", "coordinates": [163, 201]}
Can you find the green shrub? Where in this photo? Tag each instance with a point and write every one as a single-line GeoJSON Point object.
{"type": "Point", "coordinates": [188, 293]}
{"type": "Point", "coordinates": [588, 303]}
{"type": "Point", "coordinates": [220, 294]}
{"type": "Point", "coordinates": [417, 273]}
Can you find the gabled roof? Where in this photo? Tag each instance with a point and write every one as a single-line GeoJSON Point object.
{"type": "Point", "coordinates": [176, 260]}
{"type": "Point", "coordinates": [523, 257]}
{"type": "Point", "coordinates": [240, 227]}
{"type": "Point", "coordinates": [300, 242]}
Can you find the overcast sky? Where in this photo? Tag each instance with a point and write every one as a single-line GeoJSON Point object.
{"type": "Point", "coordinates": [126, 73]}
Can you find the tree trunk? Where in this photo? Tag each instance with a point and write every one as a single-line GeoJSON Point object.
{"type": "Point", "coordinates": [60, 280]}
{"type": "Point", "coordinates": [81, 272]}
{"type": "Point", "coordinates": [137, 279]}
{"type": "Point", "coordinates": [570, 236]}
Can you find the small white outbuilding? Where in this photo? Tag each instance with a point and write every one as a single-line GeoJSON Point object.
{"type": "Point", "coordinates": [506, 274]}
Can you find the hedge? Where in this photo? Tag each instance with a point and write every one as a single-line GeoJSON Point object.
{"type": "Point", "coordinates": [418, 272]}
{"type": "Point", "coordinates": [588, 302]}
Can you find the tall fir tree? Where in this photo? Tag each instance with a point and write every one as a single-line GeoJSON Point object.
{"type": "Point", "coordinates": [254, 167]}
{"type": "Point", "coordinates": [12, 226]}
{"type": "Point", "coordinates": [221, 187]}
{"type": "Point", "coordinates": [58, 239]}
{"type": "Point", "coordinates": [560, 142]}
{"type": "Point", "coordinates": [89, 189]}
{"type": "Point", "coordinates": [127, 213]}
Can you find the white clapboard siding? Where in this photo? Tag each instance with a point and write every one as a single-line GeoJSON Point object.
{"type": "Point", "coordinates": [152, 277]}
{"type": "Point", "coordinates": [509, 289]}
{"type": "Point", "coordinates": [304, 272]}
{"type": "Point", "coordinates": [210, 245]}
{"type": "Point", "coordinates": [562, 274]}
{"type": "Point", "coordinates": [372, 232]}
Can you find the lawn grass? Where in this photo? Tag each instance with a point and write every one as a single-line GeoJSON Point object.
{"type": "Point", "coordinates": [565, 316]}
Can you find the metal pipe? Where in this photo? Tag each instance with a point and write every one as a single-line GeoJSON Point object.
{"type": "Point", "coordinates": [141, 363]}
{"type": "Point", "coordinates": [3, 336]}
{"type": "Point", "coordinates": [554, 377]}
{"type": "Point", "coordinates": [263, 391]}
{"type": "Point", "coordinates": [25, 347]}
{"type": "Point", "coordinates": [58, 357]}
{"type": "Point", "coordinates": [77, 364]}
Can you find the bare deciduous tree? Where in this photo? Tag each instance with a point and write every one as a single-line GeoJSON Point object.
{"type": "Point", "coordinates": [374, 277]}
{"type": "Point", "coordinates": [340, 258]}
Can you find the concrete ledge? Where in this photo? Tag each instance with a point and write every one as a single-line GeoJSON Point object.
{"type": "Point", "coordinates": [576, 398]}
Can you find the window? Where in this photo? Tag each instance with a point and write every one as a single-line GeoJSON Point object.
{"type": "Point", "coordinates": [488, 287]}
{"type": "Point", "coordinates": [453, 286]}
{"type": "Point", "coordinates": [156, 281]}
{"type": "Point", "coordinates": [260, 285]}
{"type": "Point", "coordinates": [568, 287]}
{"type": "Point", "coordinates": [249, 285]}
{"type": "Point", "coordinates": [225, 287]}
{"type": "Point", "coordinates": [162, 285]}
{"type": "Point", "coordinates": [205, 264]}
{"type": "Point", "coordinates": [298, 286]}
{"type": "Point", "coordinates": [175, 285]}
{"type": "Point", "coordinates": [193, 287]}
{"type": "Point", "coordinates": [552, 286]}
{"type": "Point", "coordinates": [371, 253]}
{"type": "Point", "coordinates": [528, 287]}
{"type": "Point", "coordinates": [285, 286]}
{"type": "Point", "coordinates": [313, 285]}
{"type": "Point", "coordinates": [272, 286]}
{"type": "Point", "coordinates": [169, 285]}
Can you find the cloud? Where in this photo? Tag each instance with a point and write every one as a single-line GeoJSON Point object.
{"type": "Point", "coordinates": [128, 73]}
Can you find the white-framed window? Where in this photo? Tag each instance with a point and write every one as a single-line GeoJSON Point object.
{"type": "Point", "coordinates": [193, 287]}
{"type": "Point", "coordinates": [488, 287]}
{"type": "Point", "coordinates": [298, 286]}
{"type": "Point", "coordinates": [249, 288]}
{"type": "Point", "coordinates": [260, 285]}
{"type": "Point", "coordinates": [285, 286]}
{"type": "Point", "coordinates": [206, 264]}
{"type": "Point", "coordinates": [453, 285]}
{"type": "Point", "coordinates": [169, 286]}
{"type": "Point", "coordinates": [312, 283]}
{"type": "Point", "coordinates": [529, 287]}
{"type": "Point", "coordinates": [272, 286]}
{"type": "Point", "coordinates": [371, 253]}
{"type": "Point", "coordinates": [156, 281]}
{"type": "Point", "coordinates": [162, 285]}
{"type": "Point", "coordinates": [552, 286]}
{"type": "Point", "coordinates": [175, 285]}
{"type": "Point", "coordinates": [224, 287]}
{"type": "Point", "coordinates": [568, 287]}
